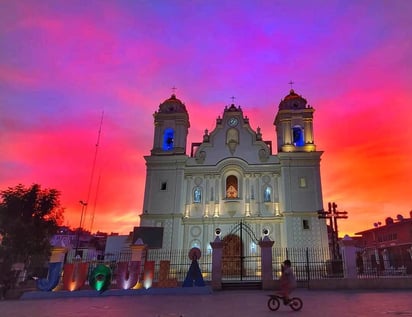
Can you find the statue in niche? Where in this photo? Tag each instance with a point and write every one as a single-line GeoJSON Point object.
{"type": "Point", "coordinates": [231, 192]}
{"type": "Point", "coordinates": [231, 187]}
{"type": "Point", "coordinates": [267, 194]}
{"type": "Point", "coordinates": [197, 195]}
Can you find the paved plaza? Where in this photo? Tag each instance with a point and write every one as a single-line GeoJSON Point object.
{"type": "Point", "coordinates": [336, 303]}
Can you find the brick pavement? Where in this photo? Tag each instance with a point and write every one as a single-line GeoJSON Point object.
{"type": "Point", "coordinates": [317, 303]}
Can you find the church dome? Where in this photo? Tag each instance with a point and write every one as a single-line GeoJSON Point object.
{"type": "Point", "coordinates": [172, 105]}
{"type": "Point", "coordinates": [292, 101]}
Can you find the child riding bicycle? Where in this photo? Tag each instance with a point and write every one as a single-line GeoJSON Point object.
{"type": "Point", "coordinates": [287, 281]}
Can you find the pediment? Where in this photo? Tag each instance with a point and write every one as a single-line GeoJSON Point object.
{"type": "Point", "coordinates": [232, 137]}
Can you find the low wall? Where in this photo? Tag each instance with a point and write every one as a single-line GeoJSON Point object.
{"type": "Point", "coordinates": [359, 283]}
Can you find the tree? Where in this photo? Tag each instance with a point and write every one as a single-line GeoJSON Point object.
{"type": "Point", "coordinates": [29, 217]}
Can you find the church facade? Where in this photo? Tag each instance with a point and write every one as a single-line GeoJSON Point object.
{"type": "Point", "coordinates": [232, 177]}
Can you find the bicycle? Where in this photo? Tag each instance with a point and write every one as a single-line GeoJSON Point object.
{"type": "Point", "coordinates": [274, 302]}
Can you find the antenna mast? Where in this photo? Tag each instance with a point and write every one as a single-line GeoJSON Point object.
{"type": "Point", "coordinates": [95, 202]}
{"type": "Point", "coordinates": [93, 168]}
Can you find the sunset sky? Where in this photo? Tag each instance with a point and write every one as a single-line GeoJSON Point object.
{"type": "Point", "coordinates": [65, 65]}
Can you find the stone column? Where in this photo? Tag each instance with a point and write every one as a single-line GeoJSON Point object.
{"type": "Point", "coordinates": [188, 196]}
{"type": "Point", "coordinates": [258, 195]}
{"type": "Point", "coordinates": [266, 262]}
{"type": "Point", "coordinates": [217, 247]}
{"type": "Point", "coordinates": [287, 132]}
{"type": "Point", "coordinates": [307, 129]}
{"type": "Point", "coordinates": [349, 257]}
{"type": "Point", "coordinates": [138, 251]}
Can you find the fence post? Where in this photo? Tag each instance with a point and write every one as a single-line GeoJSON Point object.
{"type": "Point", "coordinates": [266, 262]}
{"type": "Point", "coordinates": [307, 268]}
{"type": "Point", "coordinates": [349, 257]}
{"type": "Point", "coordinates": [217, 247]}
{"type": "Point", "coordinates": [138, 255]}
{"type": "Point", "coordinates": [138, 252]}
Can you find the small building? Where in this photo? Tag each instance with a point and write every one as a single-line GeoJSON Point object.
{"type": "Point", "coordinates": [387, 248]}
{"type": "Point", "coordinates": [117, 246]}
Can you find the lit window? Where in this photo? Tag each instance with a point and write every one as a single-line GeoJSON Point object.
{"type": "Point", "coordinates": [302, 182]}
{"type": "Point", "coordinates": [253, 248]}
{"type": "Point", "coordinates": [168, 139]}
{"type": "Point", "coordinates": [209, 249]}
{"type": "Point", "coordinates": [298, 136]}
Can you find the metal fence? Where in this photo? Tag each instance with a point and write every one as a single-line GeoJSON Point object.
{"type": "Point", "coordinates": [111, 260]}
{"type": "Point", "coordinates": [180, 263]}
{"type": "Point", "coordinates": [94, 256]}
{"type": "Point", "coordinates": [374, 263]}
{"type": "Point", "coordinates": [307, 263]}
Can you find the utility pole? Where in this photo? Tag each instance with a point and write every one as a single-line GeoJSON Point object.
{"type": "Point", "coordinates": [84, 204]}
{"type": "Point", "coordinates": [333, 215]}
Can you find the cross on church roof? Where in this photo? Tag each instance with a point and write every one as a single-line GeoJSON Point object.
{"type": "Point", "coordinates": [233, 99]}
{"type": "Point", "coordinates": [291, 84]}
{"type": "Point", "coordinates": [174, 90]}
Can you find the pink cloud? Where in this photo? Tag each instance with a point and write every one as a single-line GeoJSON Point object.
{"type": "Point", "coordinates": [63, 64]}
{"type": "Point", "coordinates": [16, 77]}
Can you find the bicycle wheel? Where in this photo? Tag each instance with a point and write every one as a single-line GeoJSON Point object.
{"type": "Point", "coordinates": [273, 303]}
{"type": "Point", "coordinates": [296, 303]}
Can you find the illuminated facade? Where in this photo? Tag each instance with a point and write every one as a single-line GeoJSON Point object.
{"type": "Point", "coordinates": [232, 176]}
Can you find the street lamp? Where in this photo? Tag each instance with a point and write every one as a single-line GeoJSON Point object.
{"type": "Point", "coordinates": [84, 204]}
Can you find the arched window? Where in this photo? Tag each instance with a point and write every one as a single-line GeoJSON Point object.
{"type": "Point", "coordinates": [197, 195]}
{"type": "Point", "coordinates": [298, 136]}
{"type": "Point", "coordinates": [253, 248]}
{"type": "Point", "coordinates": [267, 194]}
{"type": "Point", "coordinates": [232, 187]}
{"type": "Point", "coordinates": [168, 139]}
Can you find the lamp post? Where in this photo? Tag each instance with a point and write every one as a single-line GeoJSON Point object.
{"type": "Point", "coordinates": [84, 204]}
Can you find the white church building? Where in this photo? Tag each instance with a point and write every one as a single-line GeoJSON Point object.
{"type": "Point", "coordinates": [231, 183]}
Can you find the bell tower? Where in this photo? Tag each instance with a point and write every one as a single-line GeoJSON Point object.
{"type": "Point", "coordinates": [298, 157]}
{"type": "Point", "coordinates": [294, 125]}
{"type": "Point", "coordinates": [171, 124]}
{"type": "Point", "coordinates": [163, 204]}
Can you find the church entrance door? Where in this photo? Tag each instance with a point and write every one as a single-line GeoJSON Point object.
{"type": "Point", "coordinates": [241, 255]}
{"type": "Point", "coordinates": [231, 259]}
